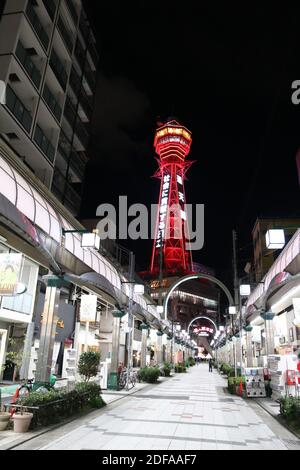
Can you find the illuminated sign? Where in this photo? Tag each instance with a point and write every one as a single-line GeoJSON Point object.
{"type": "Point", "coordinates": [88, 307]}
{"type": "Point", "coordinates": [203, 329]}
{"type": "Point", "coordinates": [163, 210]}
{"type": "Point", "coordinates": [10, 268]}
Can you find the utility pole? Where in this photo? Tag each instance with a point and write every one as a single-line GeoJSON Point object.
{"type": "Point", "coordinates": [236, 287]}
{"type": "Point", "coordinates": [130, 316]}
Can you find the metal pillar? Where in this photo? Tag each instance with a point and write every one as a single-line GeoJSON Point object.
{"type": "Point", "coordinates": [145, 330]}
{"type": "Point", "coordinates": [48, 330]}
{"type": "Point", "coordinates": [27, 352]}
{"type": "Point", "coordinates": [130, 317]}
{"type": "Point", "coordinates": [114, 365]}
{"type": "Point", "coordinates": [159, 347]}
{"type": "Point", "coordinates": [249, 346]}
{"type": "Point", "coordinates": [268, 317]}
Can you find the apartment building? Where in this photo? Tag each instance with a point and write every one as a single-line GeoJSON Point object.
{"type": "Point", "coordinates": [48, 60]}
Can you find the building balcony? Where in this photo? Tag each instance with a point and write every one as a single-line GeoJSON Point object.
{"type": "Point", "coordinates": [37, 25]}
{"type": "Point", "coordinates": [65, 192]}
{"type": "Point", "coordinates": [75, 81]}
{"type": "Point", "coordinates": [44, 143]}
{"type": "Point", "coordinates": [66, 35]}
{"type": "Point", "coordinates": [69, 112]}
{"type": "Point", "coordinates": [84, 26]}
{"type": "Point", "coordinates": [80, 53]}
{"type": "Point", "coordinates": [50, 6]}
{"type": "Point", "coordinates": [75, 163]}
{"type": "Point", "coordinates": [90, 77]}
{"type": "Point", "coordinates": [72, 11]}
{"type": "Point", "coordinates": [82, 133]}
{"type": "Point", "coordinates": [58, 69]}
{"type": "Point", "coordinates": [86, 104]}
{"type": "Point", "coordinates": [52, 103]}
{"type": "Point", "coordinates": [15, 105]}
{"type": "Point", "coordinates": [93, 53]}
{"type": "Point", "coordinates": [28, 64]}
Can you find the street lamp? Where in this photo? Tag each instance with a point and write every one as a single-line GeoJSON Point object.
{"type": "Point", "coordinates": [245, 290]}
{"type": "Point", "coordinates": [275, 239]}
{"type": "Point", "coordinates": [88, 239]}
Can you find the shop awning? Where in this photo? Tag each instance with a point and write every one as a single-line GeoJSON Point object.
{"type": "Point", "coordinates": [96, 283]}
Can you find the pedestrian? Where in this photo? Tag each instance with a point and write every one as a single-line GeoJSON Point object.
{"type": "Point", "coordinates": [210, 365]}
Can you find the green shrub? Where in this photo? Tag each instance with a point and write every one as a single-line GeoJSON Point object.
{"type": "Point", "coordinates": [290, 408]}
{"type": "Point", "coordinates": [227, 369]}
{"type": "Point", "coordinates": [233, 382]}
{"type": "Point", "coordinates": [191, 361]}
{"type": "Point", "coordinates": [167, 369]}
{"type": "Point", "coordinates": [88, 365]}
{"type": "Point", "coordinates": [149, 374]}
{"type": "Point", "coordinates": [180, 367]}
{"type": "Point", "coordinates": [56, 405]}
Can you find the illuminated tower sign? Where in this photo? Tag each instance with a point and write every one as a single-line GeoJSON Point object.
{"type": "Point", "coordinates": [172, 144]}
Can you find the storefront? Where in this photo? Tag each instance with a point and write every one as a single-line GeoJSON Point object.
{"type": "Point", "coordinates": [16, 310]}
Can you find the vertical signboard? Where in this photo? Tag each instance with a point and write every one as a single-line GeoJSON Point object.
{"type": "Point", "coordinates": [88, 307]}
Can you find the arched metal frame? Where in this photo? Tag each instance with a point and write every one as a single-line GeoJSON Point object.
{"type": "Point", "coordinates": [190, 277]}
{"type": "Point", "coordinates": [197, 318]}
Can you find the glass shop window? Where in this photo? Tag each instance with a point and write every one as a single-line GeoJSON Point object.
{"type": "Point", "coordinates": [24, 303]}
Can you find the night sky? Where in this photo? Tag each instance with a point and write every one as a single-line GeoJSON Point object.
{"type": "Point", "coordinates": [226, 74]}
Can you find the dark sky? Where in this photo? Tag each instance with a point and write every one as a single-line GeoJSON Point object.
{"type": "Point", "coordinates": [226, 73]}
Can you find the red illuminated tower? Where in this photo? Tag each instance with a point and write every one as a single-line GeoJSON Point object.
{"type": "Point", "coordinates": [172, 143]}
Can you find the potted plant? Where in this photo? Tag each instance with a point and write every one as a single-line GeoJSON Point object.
{"type": "Point", "coordinates": [22, 420]}
{"type": "Point", "coordinates": [4, 418]}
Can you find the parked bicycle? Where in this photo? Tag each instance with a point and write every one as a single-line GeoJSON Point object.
{"type": "Point", "coordinates": [31, 386]}
{"type": "Point", "coordinates": [132, 379]}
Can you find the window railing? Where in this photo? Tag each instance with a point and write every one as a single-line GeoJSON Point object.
{"type": "Point", "coordinates": [79, 53]}
{"type": "Point", "coordinates": [44, 143]}
{"type": "Point", "coordinates": [18, 109]}
{"type": "Point", "coordinates": [70, 112]}
{"type": "Point", "coordinates": [64, 190]}
{"type": "Point", "coordinates": [82, 133]}
{"type": "Point", "coordinates": [72, 10]}
{"type": "Point", "coordinates": [93, 52]}
{"type": "Point", "coordinates": [52, 102]}
{"type": "Point", "coordinates": [66, 35]}
{"type": "Point", "coordinates": [84, 27]}
{"type": "Point", "coordinates": [72, 197]}
{"type": "Point", "coordinates": [28, 64]}
{"type": "Point", "coordinates": [90, 77]}
{"type": "Point", "coordinates": [75, 81]}
{"type": "Point", "coordinates": [77, 164]}
{"type": "Point", "coordinates": [85, 103]}
{"type": "Point", "coordinates": [58, 69]}
{"type": "Point", "coordinates": [50, 6]}
{"type": "Point", "coordinates": [37, 25]}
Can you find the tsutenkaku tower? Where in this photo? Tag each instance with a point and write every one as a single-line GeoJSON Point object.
{"type": "Point", "coordinates": [172, 143]}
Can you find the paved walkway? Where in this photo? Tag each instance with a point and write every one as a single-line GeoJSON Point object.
{"type": "Point", "coordinates": [188, 412]}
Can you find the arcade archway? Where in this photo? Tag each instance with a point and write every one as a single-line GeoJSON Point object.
{"type": "Point", "coordinates": [190, 277]}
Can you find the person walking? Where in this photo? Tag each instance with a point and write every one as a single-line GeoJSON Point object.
{"type": "Point", "coordinates": [210, 365]}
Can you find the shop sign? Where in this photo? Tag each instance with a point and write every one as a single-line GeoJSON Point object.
{"type": "Point", "coordinates": [88, 307]}
{"type": "Point", "coordinates": [10, 268]}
